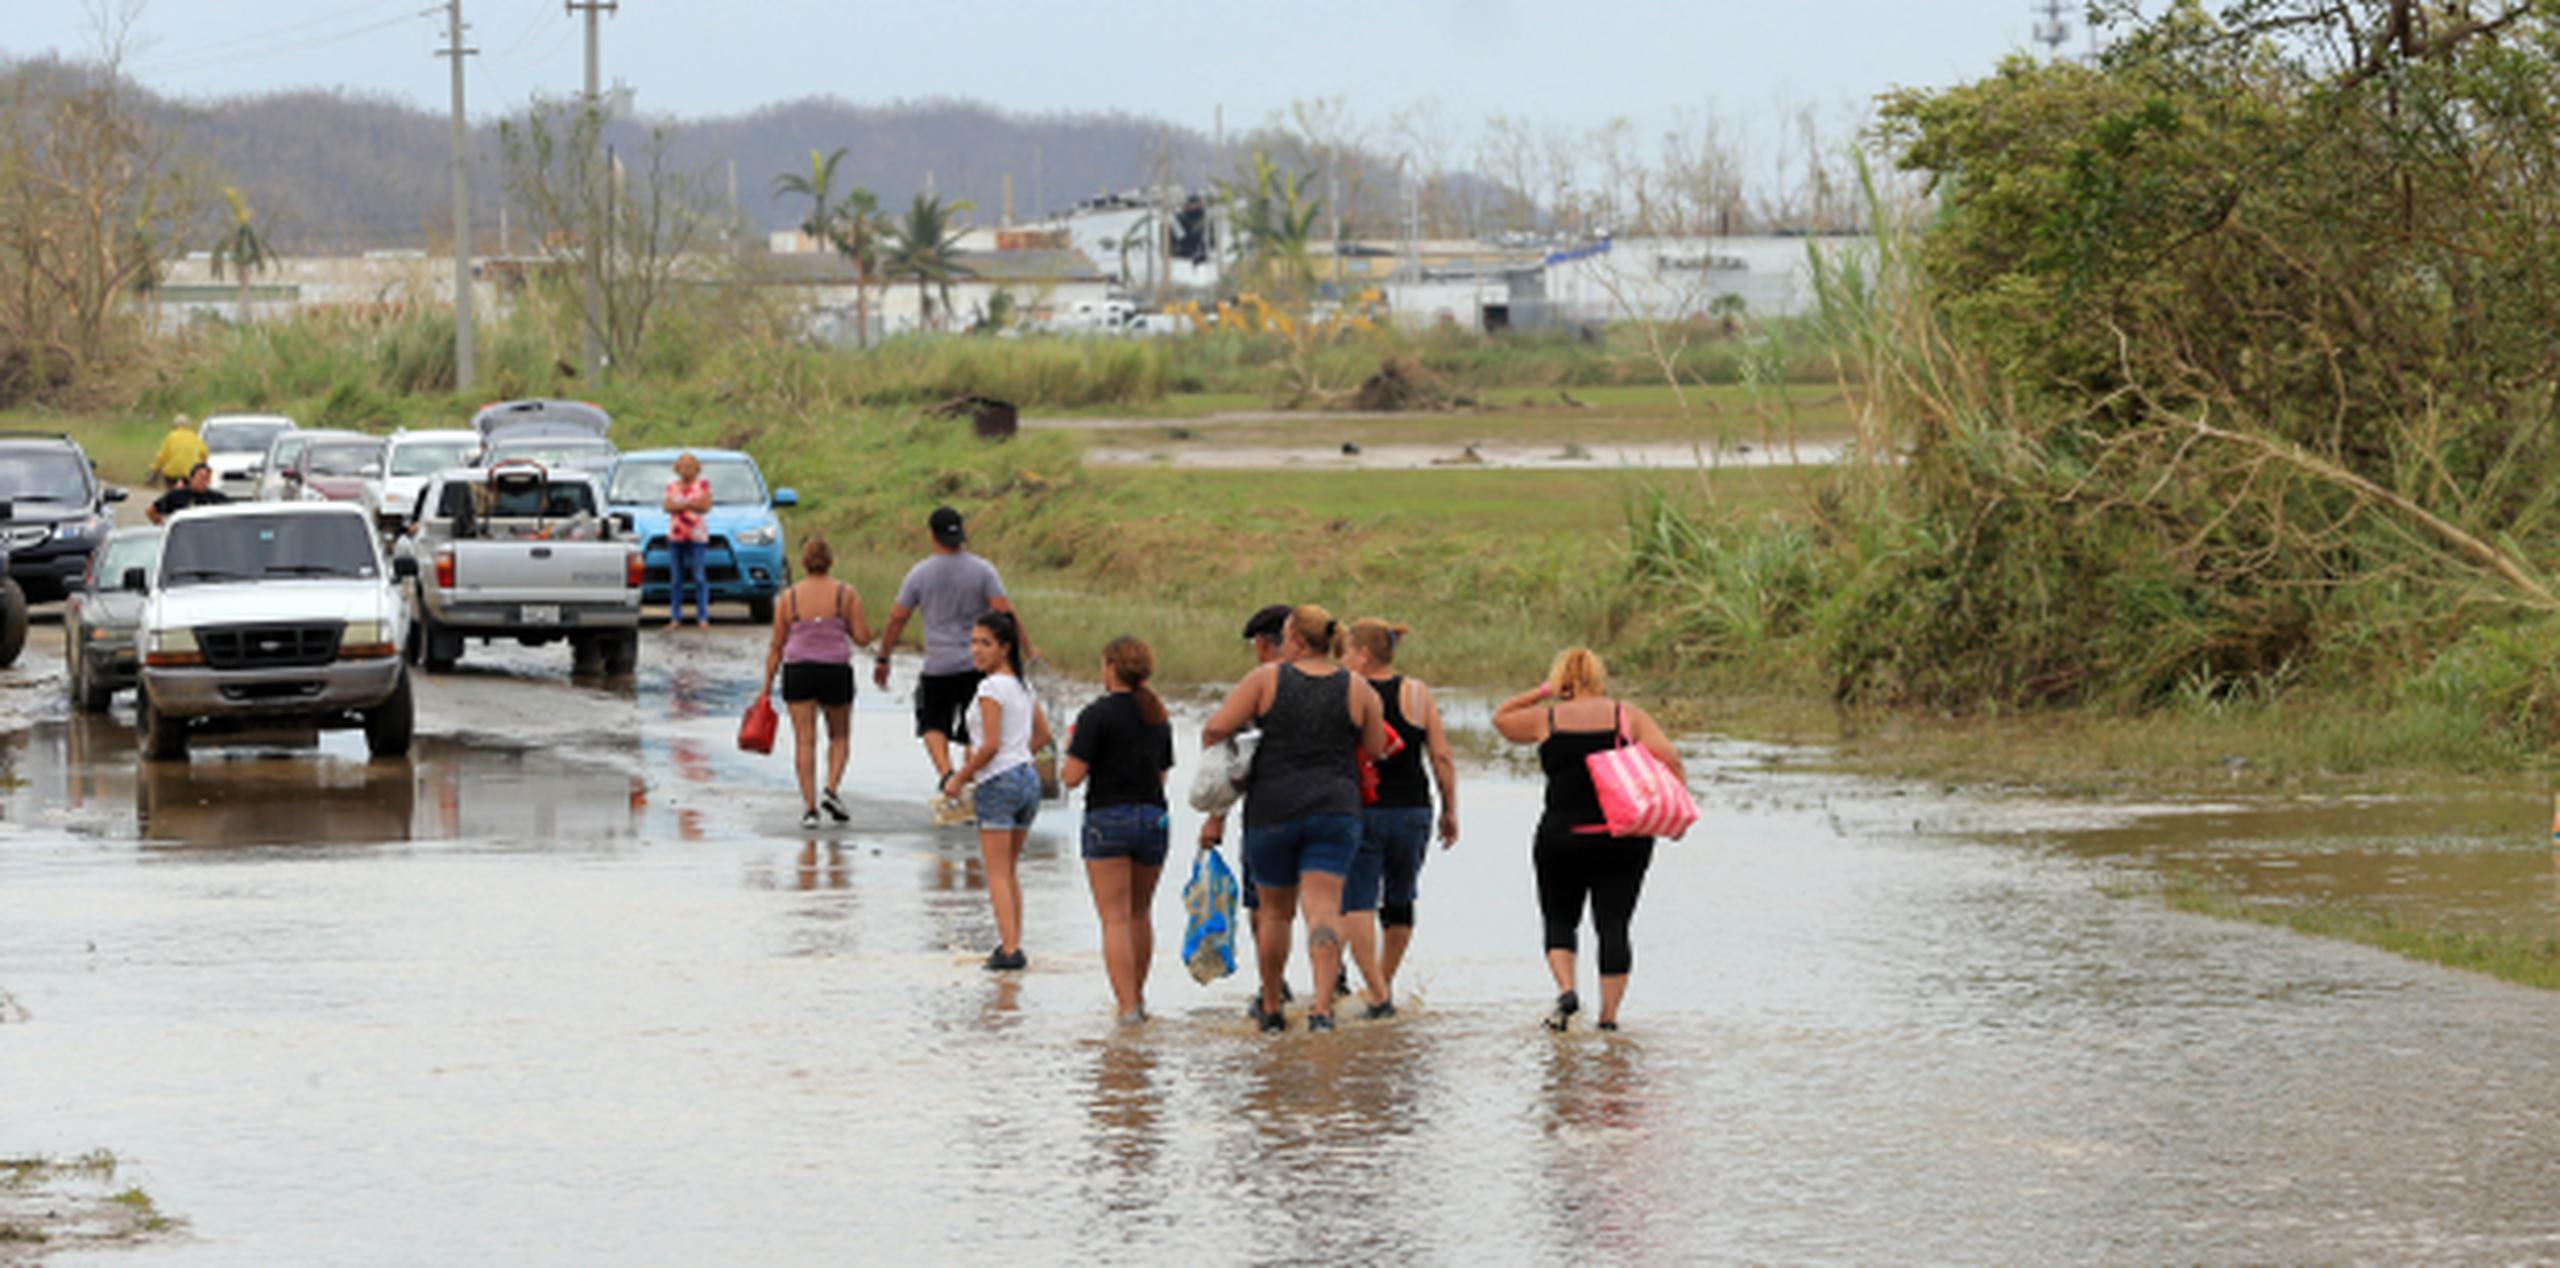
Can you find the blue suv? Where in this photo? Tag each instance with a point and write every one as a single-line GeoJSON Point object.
{"type": "Point", "coordinates": [745, 561]}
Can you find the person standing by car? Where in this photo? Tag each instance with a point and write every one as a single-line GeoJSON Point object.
{"type": "Point", "coordinates": [688, 506]}
{"type": "Point", "coordinates": [1569, 717]}
{"type": "Point", "coordinates": [1008, 787]}
{"type": "Point", "coordinates": [198, 490]}
{"type": "Point", "coordinates": [1124, 742]}
{"type": "Point", "coordinates": [951, 588]}
{"type": "Point", "coordinates": [1395, 830]}
{"type": "Point", "coordinates": [175, 462]}
{"type": "Point", "coordinates": [1302, 809]}
{"type": "Point", "coordinates": [814, 655]}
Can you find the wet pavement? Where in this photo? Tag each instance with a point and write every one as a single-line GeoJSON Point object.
{"type": "Point", "coordinates": [571, 984]}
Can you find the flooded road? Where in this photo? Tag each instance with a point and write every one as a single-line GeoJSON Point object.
{"type": "Point", "coordinates": [572, 985]}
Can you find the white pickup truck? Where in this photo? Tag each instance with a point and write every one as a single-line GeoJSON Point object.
{"type": "Point", "coordinates": [271, 613]}
{"type": "Point", "coordinates": [517, 552]}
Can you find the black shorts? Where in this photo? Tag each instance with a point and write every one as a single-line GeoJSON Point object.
{"type": "Point", "coordinates": [829, 685]}
{"type": "Point", "coordinates": [942, 703]}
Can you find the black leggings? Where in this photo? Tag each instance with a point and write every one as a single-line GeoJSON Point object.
{"type": "Point", "coordinates": [1607, 871]}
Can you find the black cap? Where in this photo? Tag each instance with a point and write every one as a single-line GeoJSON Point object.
{"type": "Point", "coordinates": [1269, 622]}
{"type": "Point", "coordinates": [945, 523]}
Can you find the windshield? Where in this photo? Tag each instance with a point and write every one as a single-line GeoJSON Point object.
{"type": "Point", "coordinates": [265, 547]}
{"type": "Point", "coordinates": [427, 457]}
{"type": "Point", "coordinates": [44, 476]}
{"type": "Point", "coordinates": [345, 458]}
{"type": "Point", "coordinates": [585, 455]}
{"type": "Point", "coordinates": [646, 480]}
{"type": "Point", "coordinates": [523, 499]}
{"type": "Point", "coordinates": [128, 552]}
{"type": "Point", "coordinates": [242, 437]}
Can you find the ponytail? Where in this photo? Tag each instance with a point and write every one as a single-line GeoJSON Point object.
{"type": "Point", "coordinates": [1317, 631]}
{"type": "Point", "coordinates": [1133, 662]}
{"type": "Point", "coordinates": [1378, 638]}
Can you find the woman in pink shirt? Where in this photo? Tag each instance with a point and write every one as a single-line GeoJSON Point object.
{"type": "Point", "coordinates": [816, 626]}
{"type": "Point", "coordinates": [688, 507]}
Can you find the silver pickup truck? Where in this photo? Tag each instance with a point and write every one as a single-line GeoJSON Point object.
{"type": "Point", "coordinates": [518, 552]}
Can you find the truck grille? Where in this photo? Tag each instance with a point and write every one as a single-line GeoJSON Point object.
{"type": "Point", "coordinates": [269, 646]}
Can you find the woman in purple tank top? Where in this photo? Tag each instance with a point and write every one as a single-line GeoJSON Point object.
{"type": "Point", "coordinates": [816, 626]}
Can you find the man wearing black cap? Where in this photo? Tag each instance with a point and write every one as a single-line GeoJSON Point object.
{"type": "Point", "coordinates": [1264, 631]}
{"type": "Point", "coordinates": [952, 588]}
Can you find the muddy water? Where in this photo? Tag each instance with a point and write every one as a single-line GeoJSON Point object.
{"type": "Point", "coordinates": [572, 985]}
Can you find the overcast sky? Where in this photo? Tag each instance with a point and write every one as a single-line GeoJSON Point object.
{"type": "Point", "coordinates": [1571, 64]}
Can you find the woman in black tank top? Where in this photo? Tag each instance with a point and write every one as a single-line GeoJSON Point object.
{"type": "Point", "coordinates": [1569, 717]}
{"type": "Point", "coordinates": [1395, 827]}
{"type": "Point", "coordinates": [1301, 811]}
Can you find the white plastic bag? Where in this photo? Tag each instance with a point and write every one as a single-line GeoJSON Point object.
{"type": "Point", "coordinates": [1224, 770]}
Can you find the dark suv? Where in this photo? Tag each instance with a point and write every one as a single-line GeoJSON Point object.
{"type": "Point", "coordinates": [53, 512]}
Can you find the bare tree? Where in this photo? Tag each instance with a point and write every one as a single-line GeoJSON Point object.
{"type": "Point", "coordinates": [652, 217]}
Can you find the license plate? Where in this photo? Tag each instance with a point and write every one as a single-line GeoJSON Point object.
{"type": "Point", "coordinates": [541, 613]}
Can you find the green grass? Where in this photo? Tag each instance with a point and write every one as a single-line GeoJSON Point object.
{"type": "Point", "coordinates": [2525, 959]}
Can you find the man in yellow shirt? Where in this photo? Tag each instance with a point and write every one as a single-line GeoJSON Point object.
{"type": "Point", "coordinates": [181, 451]}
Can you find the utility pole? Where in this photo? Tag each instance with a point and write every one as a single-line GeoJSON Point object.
{"type": "Point", "coordinates": [1164, 213]}
{"type": "Point", "coordinates": [462, 324]}
{"type": "Point", "coordinates": [595, 201]}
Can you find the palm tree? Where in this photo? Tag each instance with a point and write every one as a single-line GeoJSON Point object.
{"type": "Point", "coordinates": [922, 248]}
{"type": "Point", "coordinates": [819, 188]}
{"type": "Point", "coordinates": [1278, 221]}
{"type": "Point", "coordinates": [243, 248]}
{"type": "Point", "coordinates": [860, 230]}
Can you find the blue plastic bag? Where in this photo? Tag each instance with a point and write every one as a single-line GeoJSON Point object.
{"type": "Point", "coordinates": [1209, 933]}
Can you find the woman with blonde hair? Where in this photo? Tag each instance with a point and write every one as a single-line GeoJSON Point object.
{"type": "Point", "coordinates": [1395, 829]}
{"type": "Point", "coordinates": [1569, 717]}
{"type": "Point", "coordinates": [1123, 743]}
{"type": "Point", "coordinates": [816, 625]}
{"type": "Point", "coordinates": [1302, 808]}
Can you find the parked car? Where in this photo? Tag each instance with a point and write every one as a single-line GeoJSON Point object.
{"type": "Point", "coordinates": [556, 434]}
{"type": "Point", "coordinates": [335, 466]}
{"type": "Point", "coordinates": [56, 512]}
{"type": "Point", "coordinates": [237, 445]}
{"type": "Point", "coordinates": [745, 559]}
{"type": "Point", "coordinates": [13, 609]}
{"type": "Point", "coordinates": [284, 453]}
{"type": "Point", "coordinates": [409, 460]}
{"type": "Point", "coordinates": [518, 552]}
{"type": "Point", "coordinates": [267, 613]}
{"type": "Point", "coordinates": [99, 619]}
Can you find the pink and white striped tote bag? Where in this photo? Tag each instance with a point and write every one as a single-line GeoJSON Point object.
{"type": "Point", "coordinates": [1639, 796]}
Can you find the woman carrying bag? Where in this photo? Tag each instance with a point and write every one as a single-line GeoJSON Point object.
{"type": "Point", "coordinates": [1571, 718]}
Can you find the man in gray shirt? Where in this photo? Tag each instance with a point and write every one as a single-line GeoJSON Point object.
{"type": "Point", "coordinates": [952, 588]}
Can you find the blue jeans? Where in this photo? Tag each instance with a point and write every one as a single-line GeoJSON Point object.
{"type": "Point", "coordinates": [1010, 800]}
{"type": "Point", "coordinates": [1137, 833]}
{"type": "Point", "coordinates": [1393, 840]}
{"type": "Point", "coordinates": [1309, 843]}
{"type": "Point", "coordinates": [689, 564]}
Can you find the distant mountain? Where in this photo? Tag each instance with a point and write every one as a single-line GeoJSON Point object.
{"type": "Point", "coordinates": [339, 171]}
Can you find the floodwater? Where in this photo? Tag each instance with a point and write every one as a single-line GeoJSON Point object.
{"type": "Point", "coordinates": [571, 985]}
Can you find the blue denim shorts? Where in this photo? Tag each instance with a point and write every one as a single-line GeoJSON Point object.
{"type": "Point", "coordinates": [1393, 841]}
{"type": "Point", "coordinates": [1310, 843]}
{"type": "Point", "coordinates": [1140, 834]}
{"type": "Point", "coordinates": [1010, 800]}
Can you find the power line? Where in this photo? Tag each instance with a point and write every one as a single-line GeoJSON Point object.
{"type": "Point", "coordinates": [223, 47]}
{"type": "Point", "coordinates": [189, 67]}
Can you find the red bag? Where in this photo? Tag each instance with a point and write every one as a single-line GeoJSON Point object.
{"type": "Point", "coordinates": [756, 730]}
{"type": "Point", "coordinates": [1369, 768]}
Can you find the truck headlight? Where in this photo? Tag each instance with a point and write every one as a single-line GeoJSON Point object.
{"type": "Point", "coordinates": [171, 648]}
{"type": "Point", "coordinates": [764, 535]}
{"type": "Point", "coordinates": [365, 640]}
{"type": "Point", "coordinates": [72, 530]}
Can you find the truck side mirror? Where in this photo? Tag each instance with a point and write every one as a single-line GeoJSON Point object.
{"type": "Point", "coordinates": [404, 567]}
{"type": "Point", "coordinates": [292, 473]}
{"type": "Point", "coordinates": [137, 580]}
{"type": "Point", "coordinates": [116, 495]}
{"type": "Point", "coordinates": [786, 497]}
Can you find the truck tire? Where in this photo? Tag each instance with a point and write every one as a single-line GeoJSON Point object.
{"type": "Point", "coordinates": [441, 649]}
{"type": "Point", "coordinates": [13, 621]}
{"type": "Point", "coordinates": [586, 655]}
{"type": "Point", "coordinates": [760, 610]}
{"type": "Point", "coordinates": [86, 696]}
{"type": "Point", "coordinates": [390, 725]}
{"type": "Point", "coordinates": [621, 653]}
{"type": "Point", "coordinates": [164, 738]}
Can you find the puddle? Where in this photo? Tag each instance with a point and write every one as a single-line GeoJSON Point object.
{"type": "Point", "coordinates": [572, 977]}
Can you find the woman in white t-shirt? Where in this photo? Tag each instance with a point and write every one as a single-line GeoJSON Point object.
{"type": "Point", "coordinates": [1010, 726]}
